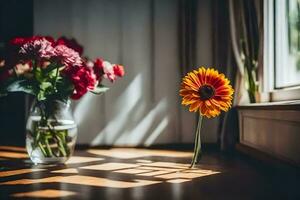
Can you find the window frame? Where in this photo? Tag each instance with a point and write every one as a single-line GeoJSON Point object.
{"type": "Point", "coordinates": [269, 64]}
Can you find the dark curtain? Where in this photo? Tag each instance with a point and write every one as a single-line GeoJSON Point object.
{"type": "Point", "coordinates": [16, 19]}
{"type": "Point", "coordinates": [187, 34]}
{"type": "Point", "coordinates": [237, 32]}
{"type": "Point", "coordinates": [223, 58]}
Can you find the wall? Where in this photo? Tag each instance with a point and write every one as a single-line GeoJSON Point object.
{"type": "Point", "coordinates": [143, 107]}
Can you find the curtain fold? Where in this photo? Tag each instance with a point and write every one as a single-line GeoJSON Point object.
{"type": "Point", "coordinates": [246, 27]}
{"type": "Point", "coordinates": [187, 55]}
{"type": "Point", "coordinates": [187, 34]}
{"type": "Point", "coordinates": [223, 57]}
{"type": "Point", "coordinates": [238, 48]}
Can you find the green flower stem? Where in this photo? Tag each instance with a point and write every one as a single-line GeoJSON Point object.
{"type": "Point", "coordinates": [61, 146]}
{"type": "Point", "coordinates": [49, 150]}
{"type": "Point", "coordinates": [197, 148]}
{"type": "Point", "coordinates": [42, 149]}
{"type": "Point", "coordinates": [60, 143]}
{"type": "Point", "coordinates": [63, 135]}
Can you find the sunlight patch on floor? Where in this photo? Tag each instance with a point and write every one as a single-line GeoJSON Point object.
{"type": "Point", "coordinates": [48, 193]}
{"type": "Point", "coordinates": [129, 153]}
{"type": "Point", "coordinates": [66, 171]}
{"type": "Point", "coordinates": [82, 159]}
{"type": "Point", "coordinates": [7, 154]}
{"type": "Point", "coordinates": [178, 180]}
{"type": "Point", "coordinates": [84, 180]}
{"type": "Point", "coordinates": [144, 161]}
{"type": "Point", "coordinates": [18, 172]}
{"type": "Point", "coordinates": [110, 166]}
{"type": "Point", "coordinates": [132, 171]}
{"type": "Point", "coordinates": [13, 148]}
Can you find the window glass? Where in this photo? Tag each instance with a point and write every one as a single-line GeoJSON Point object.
{"type": "Point", "coordinates": [287, 43]}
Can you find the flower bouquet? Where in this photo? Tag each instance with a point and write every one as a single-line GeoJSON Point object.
{"type": "Point", "coordinates": [53, 72]}
{"type": "Point", "coordinates": [207, 92]}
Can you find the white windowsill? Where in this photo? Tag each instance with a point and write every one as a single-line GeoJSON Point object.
{"type": "Point", "coordinates": [278, 103]}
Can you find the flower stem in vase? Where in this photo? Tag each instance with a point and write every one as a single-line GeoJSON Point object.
{"type": "Point", "coordinates": [49, 150]}
{"type": "Point", "coordinates": [51, 142]}
{"type": "Point", "coordinates": [42, 149]}
{"type": "Point", "coordinates": [197, 144]}
{"type": "Point", "coordinates": [64, 135]}
{"type": "Point", "coordinates": [61, 142]}
{"type": "Point", "coordinates": [61, 145]}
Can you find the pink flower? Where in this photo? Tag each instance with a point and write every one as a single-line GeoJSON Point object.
{"type": "Point", "coordinates": [107, 70]}
{"type": "Point", "coordinates": [119, 70]}
{"type": "Point", "coordinates": [37, 49]}
{"type": "Point", "coordinates": [89, 64]}
{"type": "Point", "coordinates": [44, 64]}
{"type": "Point", "coordinates": [2, 63]}
{"type": "Point", "coordinates": [67, 56]}
{"type": "Point", "coordinates": [23, 68]}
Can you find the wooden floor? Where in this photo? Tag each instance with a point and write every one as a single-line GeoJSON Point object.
{"type": "Point", "coordinates": [125, 173]}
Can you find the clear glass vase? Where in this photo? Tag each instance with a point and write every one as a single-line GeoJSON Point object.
{"type": "Point", "coordinates": [51, 132]}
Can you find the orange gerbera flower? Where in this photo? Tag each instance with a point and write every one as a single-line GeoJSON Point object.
{"type": "Point", "coordinates": [206, 91]}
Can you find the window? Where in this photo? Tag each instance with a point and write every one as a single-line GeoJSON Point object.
{"type": "Point", "coordinates": [281, 73]}
{"type": "Point", "coordinates": [287, 43]}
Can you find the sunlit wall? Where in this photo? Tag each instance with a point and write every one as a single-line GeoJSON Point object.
{"type": "Point", "coordinates": [143, 107]}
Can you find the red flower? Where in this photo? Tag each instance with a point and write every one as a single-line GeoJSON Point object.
{"type": "Point", "coordinates": [98, 68]}
{"type": "Point", "coordinates": [107, 70]}
{"type": "Point", "coordinates": [50, 39]}
{"type": "Point", "coordinates": [71, 43]}
{"type": "Point", "coordinates": [83, 79]}
{"type": "Point", "coordinates": [20, 41]}
{"type": "Point", "coordinates": [119, 70]}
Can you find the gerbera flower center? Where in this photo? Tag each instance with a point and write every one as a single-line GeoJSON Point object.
{"type": "Point", "coordinates": [206, 92]}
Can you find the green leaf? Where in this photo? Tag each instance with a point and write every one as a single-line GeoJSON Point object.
{"type": "Point", "coordinates": [39, 75]}
{"type": "Point", "coordinates": [65, 88]}
{"type": "Point", "coordinates": [21, 86]}
{"type": "Point", "coordinates": [100, 89]}
{"type": "Point", "coordinates": [41, 95]}
{"type": "Point", "coordinates": [45, 85]}
{"type": "Point", "coordinates": [53, 73]}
